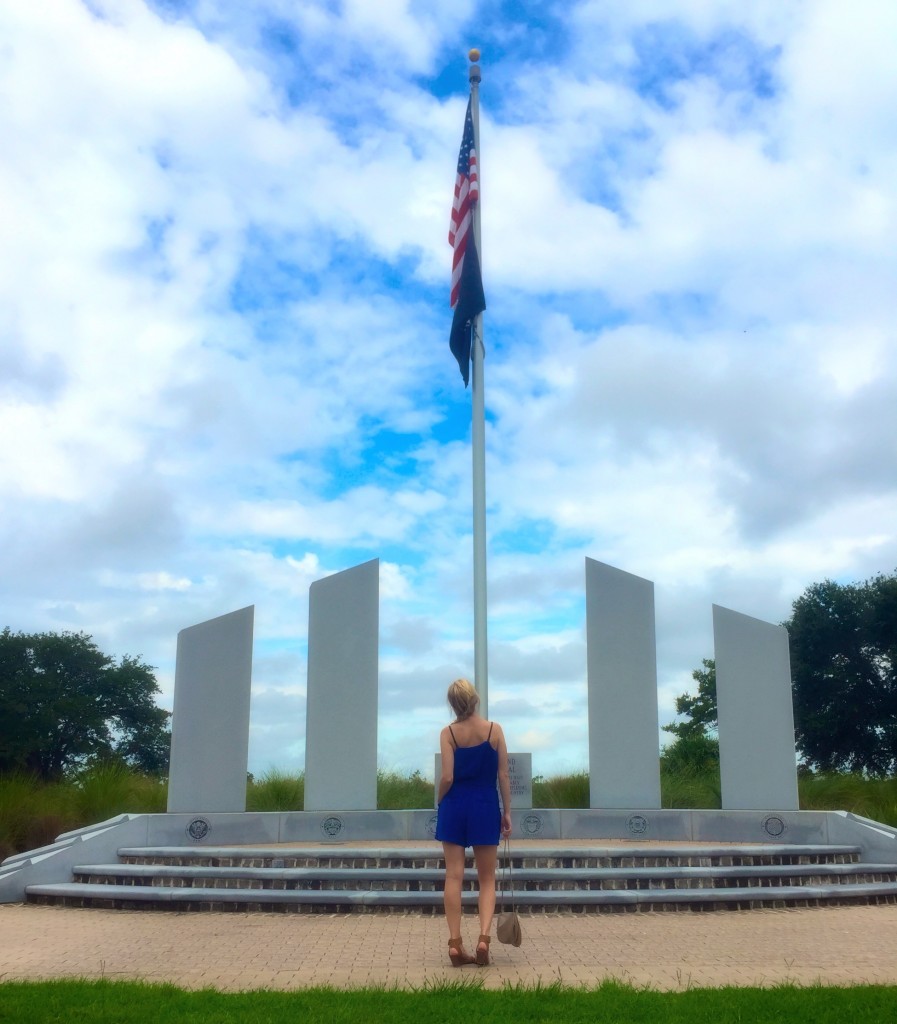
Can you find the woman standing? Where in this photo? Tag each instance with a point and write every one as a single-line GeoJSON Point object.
{"type": "Point", "coordinates": [474, 755]}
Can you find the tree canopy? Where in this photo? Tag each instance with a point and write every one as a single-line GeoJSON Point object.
{"type": "Point", "coordinates": [699, 711]}
{"type": "Point", "coordinates": [64, 703]}
{"type": "Point", "coordinates": [844, 672]}
{"type": "Point", "coordinates": [843, 640]}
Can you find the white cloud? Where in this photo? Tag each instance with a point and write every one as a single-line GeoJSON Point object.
{"type": "Point", "coordinates": [223, 362]}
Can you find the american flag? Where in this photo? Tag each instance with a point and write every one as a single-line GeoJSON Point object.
{"type": "Point", "coordinates": [467, 192]}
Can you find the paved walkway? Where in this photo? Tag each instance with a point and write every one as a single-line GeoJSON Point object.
{"type": "Point", "coordinates": [834, 946]}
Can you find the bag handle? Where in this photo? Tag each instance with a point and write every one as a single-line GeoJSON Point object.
{"type": "Point", "coordinates": [506, 865]}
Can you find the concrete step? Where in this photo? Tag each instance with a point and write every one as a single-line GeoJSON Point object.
{"type": "Point", "coordinates": [584, 877]}
{"type": "Point", "coordinates": [531, 879]}
{"type": "Point", "coordinates": [524, 854]}
{"type": "Point", "coordinates": [337, 901]}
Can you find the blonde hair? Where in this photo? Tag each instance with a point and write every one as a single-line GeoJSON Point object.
{"type": "Point", "coordinates": [463, 698]}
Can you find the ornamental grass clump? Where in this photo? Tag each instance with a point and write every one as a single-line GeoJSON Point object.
{"type": "Point", "coordinates": [276, 791]}
{"type": "Point", "coordinates": [109, 788]}
{"type": "Point", "coordinates": [396, 792]}
{"type": "Point", "coordinates": [561, 790]}
{"type": "Point", "coordinates": [868, 798]}
{"type": "Point", "coordinates": [32, 813]}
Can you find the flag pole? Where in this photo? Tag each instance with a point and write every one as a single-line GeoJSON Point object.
{"type": "Point", "coordinates": [478, 438]}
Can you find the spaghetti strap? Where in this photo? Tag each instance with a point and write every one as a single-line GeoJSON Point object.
{"type": "Point", "coordinates": [489, 737]}
{"type": "Point", "coordinates": [453, 738]}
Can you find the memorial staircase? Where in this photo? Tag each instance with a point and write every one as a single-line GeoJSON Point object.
{"type": "Point", "coordinates": [548, 877]}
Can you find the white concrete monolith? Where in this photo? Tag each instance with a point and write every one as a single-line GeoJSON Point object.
{"type": "Point", "coordinates": [624, 755]}
{"type": "Point", "coordinates": [341, 720]}
{"type": "Point", "coordinates": [758, 767]}
{"type": "Point", "coordinates": [210, 721]}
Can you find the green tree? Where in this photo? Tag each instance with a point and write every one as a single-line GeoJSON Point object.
{"type": "Point", "coordinates": [843, 640]}
{"type": "Point", "coordinates": [700, 711]}
{"type": "Point", "coordinates": [844, 672]}
{"type": "Point", "coordinates": [63, 703]}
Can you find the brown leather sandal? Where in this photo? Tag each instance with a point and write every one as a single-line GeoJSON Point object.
{"type": "Point", "coordinates": [457, 955]}
{"type": "Point", "coordinates": [482, 956]}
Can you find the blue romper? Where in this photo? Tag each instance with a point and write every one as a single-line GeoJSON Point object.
{"type": "Point", "coordinates": [469, 814]}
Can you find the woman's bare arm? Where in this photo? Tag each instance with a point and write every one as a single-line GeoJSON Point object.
{"type": "Point", "coordinates": [504, 782]}
{"type": "Point", "coordinates": [447, 752]}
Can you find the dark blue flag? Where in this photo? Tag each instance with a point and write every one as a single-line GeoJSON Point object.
{"type": "Point", "coordinates": [471, 302]}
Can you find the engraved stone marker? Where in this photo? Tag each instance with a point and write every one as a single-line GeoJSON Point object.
{"type": "Point", "coordinates": [520, 768]}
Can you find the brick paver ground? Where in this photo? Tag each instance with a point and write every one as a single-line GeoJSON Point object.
{"type": "Point", "coordinates": [834, 946]}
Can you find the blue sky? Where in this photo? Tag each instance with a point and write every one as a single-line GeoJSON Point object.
{"type": "Point", "coordinates": [224, 365]}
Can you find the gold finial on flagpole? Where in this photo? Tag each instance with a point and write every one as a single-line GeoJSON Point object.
{"type": "Point", "coordinates": [474, 56]}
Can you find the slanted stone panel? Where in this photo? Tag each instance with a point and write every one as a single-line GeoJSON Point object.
{"type": "Point", "coordinates": [210, 722]}
{"type": "Point", "coordinates": [758, 768]}
{"type": "Point", "coordinates": [341, 718]}
{"type": "Point", "coordinates": [624, 756]}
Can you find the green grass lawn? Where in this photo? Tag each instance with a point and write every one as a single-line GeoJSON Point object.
{"type": "Point", "coordinates": [103, 1002]}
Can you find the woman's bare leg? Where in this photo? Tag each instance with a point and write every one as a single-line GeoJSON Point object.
{"type": "Point", "coordinates": [454, 876]}
{"type": "Point", "coordinates": [486, 858]}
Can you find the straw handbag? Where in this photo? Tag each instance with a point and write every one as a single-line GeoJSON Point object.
{"type": "Point", "coordinates": [508, 928]}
